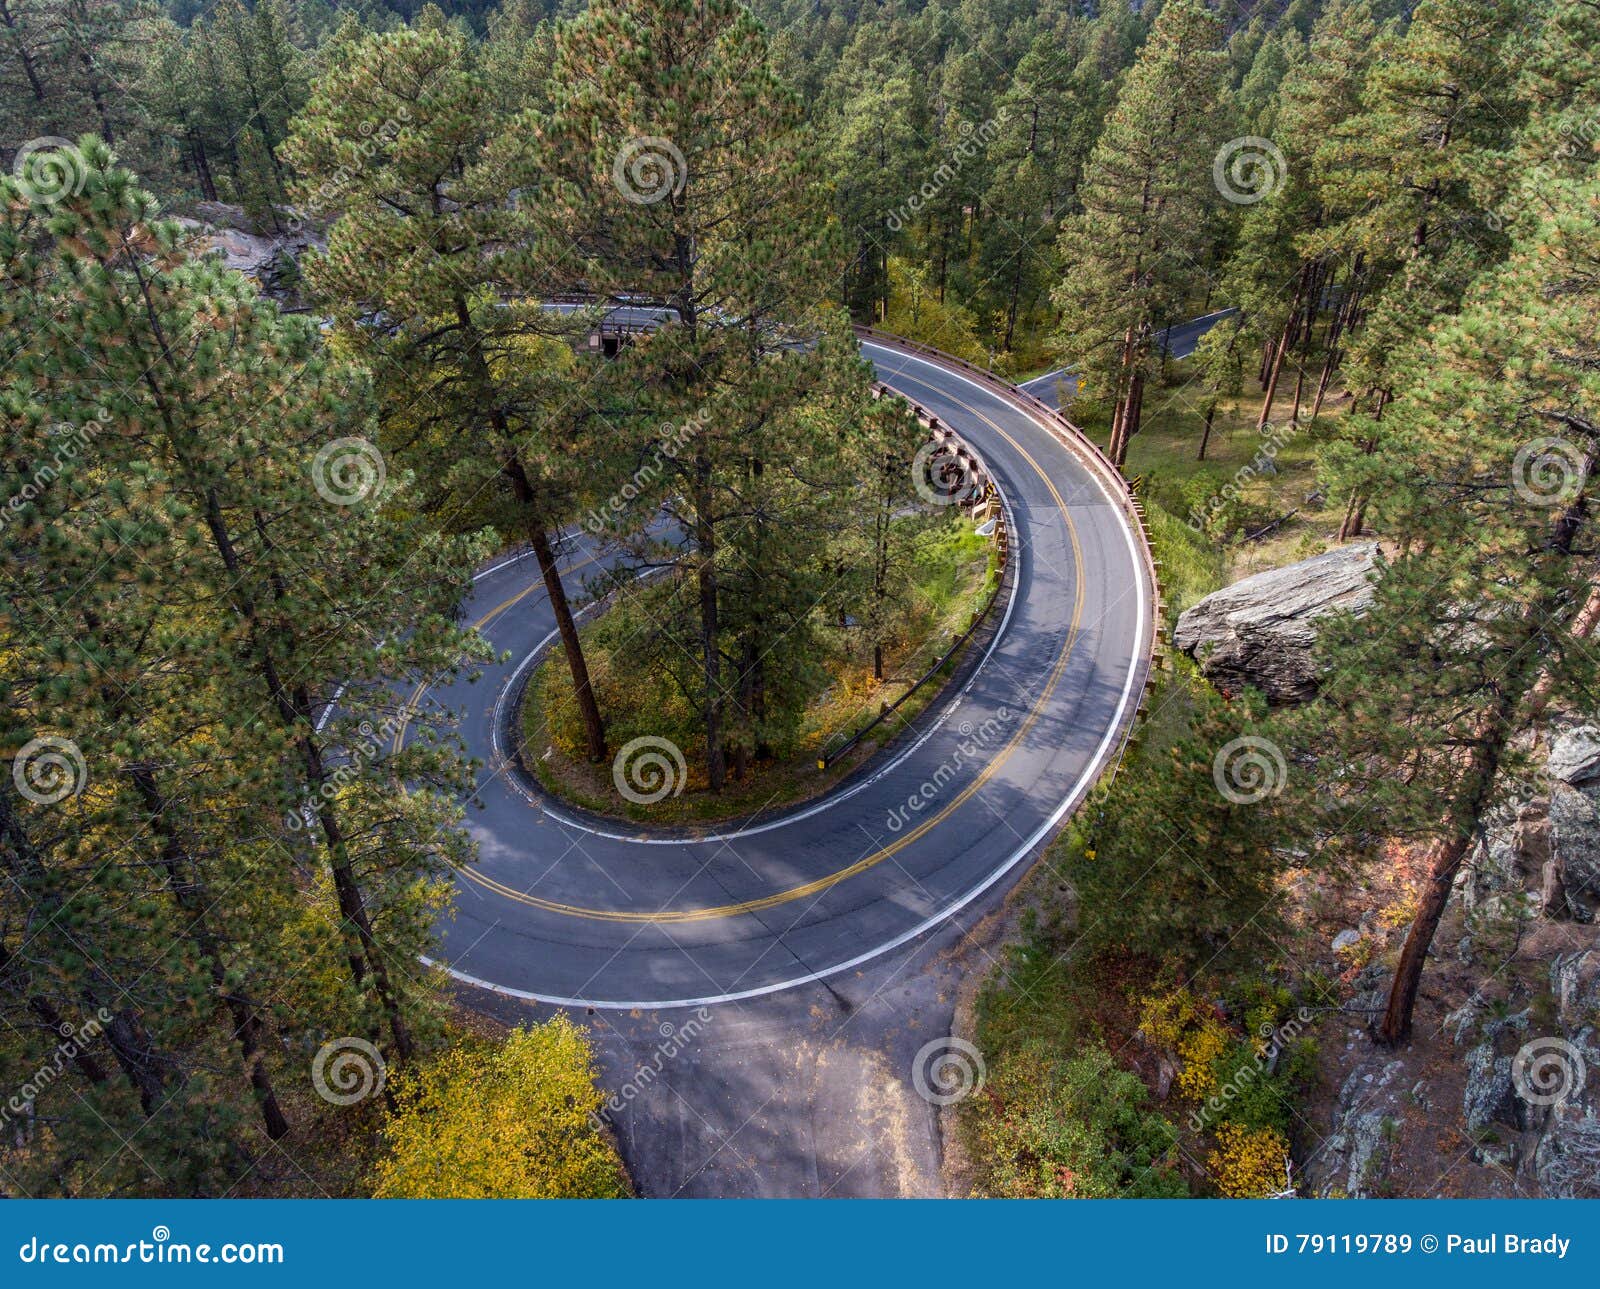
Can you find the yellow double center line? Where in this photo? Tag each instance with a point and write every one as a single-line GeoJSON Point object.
{"type": "Point", "coordinates": [876, 857]}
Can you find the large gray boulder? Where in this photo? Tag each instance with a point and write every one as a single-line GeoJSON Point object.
{"type": "Point", "coordinates": [1259, 632]}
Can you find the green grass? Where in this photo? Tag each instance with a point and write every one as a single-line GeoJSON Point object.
{"type": "Point", "coordinates": [1202, 549]}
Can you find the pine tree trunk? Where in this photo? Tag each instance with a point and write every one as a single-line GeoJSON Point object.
{"type": "Point", "coordinates": [193, 899]}
{"type": "Point", "coordinates": [522, 488]}
{"type": "Point", "coordinates": [1445, 863]}
{"type": "Point", "coordinates": [1488, 749]}
{"type": "Point", "coordinates": [24, 55]}
{"type": "Point", "coordinates": [135, 1053]}
{"type": "Point", "coordinates": [96, 94]}
{"type": "Point", "coordinates": [1205, 434]}
{"type": "Point", "coordinates": [1271, 386]}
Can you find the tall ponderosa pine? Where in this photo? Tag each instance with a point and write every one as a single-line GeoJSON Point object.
{"type": "Point", "coordinates": [1490, 491]}
{"type": "Point", "coordinates": [1129, 256]}
{"type": "Point", "coordinates": [435, 271]}
{"type": "Point", "coordinates": [269, 583]}
{"type": "Point", "coordinates": [685, 164]}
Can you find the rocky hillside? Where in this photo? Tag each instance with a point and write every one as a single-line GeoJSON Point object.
{"type": "Point", "coordinates": [1498, 1092]}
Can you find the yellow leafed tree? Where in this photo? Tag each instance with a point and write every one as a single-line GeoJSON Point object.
{"type": "Point", "coordinates": [501, 1121]}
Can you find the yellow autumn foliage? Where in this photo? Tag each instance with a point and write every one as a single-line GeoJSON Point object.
{"type": "Point", "coordinates": [1178, 1023]}
{"type": "Point", "coordinates": [1248, 1163]}
{"type": "Point", "coordinates": [509, 1120]}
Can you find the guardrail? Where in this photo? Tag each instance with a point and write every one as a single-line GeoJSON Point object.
{"type": "Point", "coordinates": [942, 434]}
{"type": "Point", "coordinates": [1077, 441]}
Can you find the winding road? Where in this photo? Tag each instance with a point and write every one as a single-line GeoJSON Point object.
{"type": "Point", "coordinates": [577, 912]}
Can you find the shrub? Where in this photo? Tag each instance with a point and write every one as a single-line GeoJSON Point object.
{"type": "Point", "coordinates": [508, 1120]}
{"type": "Point", "coordinates": [1080, 1127]}
{"type": "Point", "coordinates": [1249, 1163]}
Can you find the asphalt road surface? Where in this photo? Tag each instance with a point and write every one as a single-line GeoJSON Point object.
{"type": "Point", "coordinates": [759, 996]}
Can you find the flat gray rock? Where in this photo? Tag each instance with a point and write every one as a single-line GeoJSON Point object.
{"type": "Point", "coordinates": [1575, 755]}
{"type": "Point", "coordinates": [1260, 631]}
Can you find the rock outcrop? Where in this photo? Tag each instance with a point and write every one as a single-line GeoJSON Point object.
{"type": "Point", "coordinates": [1259, 632]}
{"type": "Point", "coordinates": [271, 257]}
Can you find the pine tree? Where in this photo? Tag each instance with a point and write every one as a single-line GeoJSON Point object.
{"type": "Point", "coordinates": [1488, 488]}
{"type": "Point", "coordinates": [435, 272]}
{"type": "Point", "coordinates": [1127, 257]}
{"type": "Point", "coordinates": [685, 161]}
{"type": "Point", "coordinates": [277, 580]}
{"type": "Point", "coordinates": [1408, 171]}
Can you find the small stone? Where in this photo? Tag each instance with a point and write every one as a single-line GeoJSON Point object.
{"type": "Point", "coordinates": [1347, 939]}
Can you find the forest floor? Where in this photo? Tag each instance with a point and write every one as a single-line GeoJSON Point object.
{"type": "Point", "coordinates": [952, 577]}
